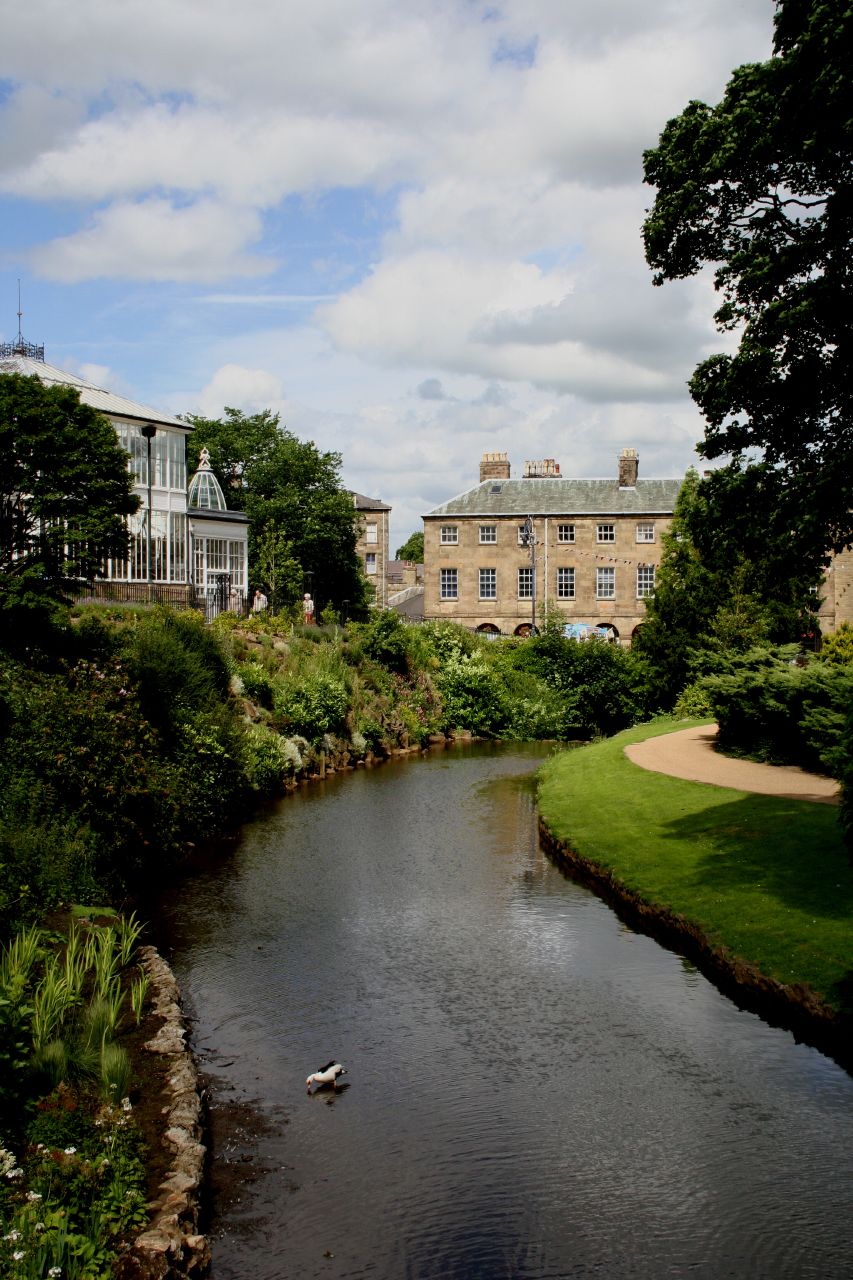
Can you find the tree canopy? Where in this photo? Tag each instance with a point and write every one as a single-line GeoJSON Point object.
{"type": "Point", "coordinates": [413, 548]}
{"type": "Point", "coordinates": [65, 488]}
{"type": "Point", "coordinates": [760, 187]}
{"type": "Point", "coordinates": [301, 520]}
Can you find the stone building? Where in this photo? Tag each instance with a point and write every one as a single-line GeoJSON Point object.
{"type": "Point", "coordinates": [373, 543]}
{"type": "Point", "coordinates": [496, 555]}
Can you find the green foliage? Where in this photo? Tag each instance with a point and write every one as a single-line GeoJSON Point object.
{"type": "Point", "coordinates": [759, 187]}
{"type": "Point", "coordinates": [298, 512]}
{"type": "Point", "coordinates": [772, 708]}
{"type": "Point", "coordinates": [717, 592]}
{"type": "Point", "coordinates": [838, 647]}
{"type": "Point", "coordinates": [601, 684]}
{"type": "Point", "coordinates": [383, 638]}
{"type": "Point", "coordinates": [413, 548]}
{"type": "Point", "coordinates": [179, 667]}
{"type": "Point", "coordinates": [257, 683]}
{"type": "Point", "coordinates": [472, 698]}
{"type": "Point", "coordinates": [64, 484]}
{"type": "Point", "coordinates": [311, 706]}
{"type": "Point", "coordinates": [267, 760]}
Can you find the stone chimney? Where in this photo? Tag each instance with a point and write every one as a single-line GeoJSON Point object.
{"type": "Point", "coordinates": [629, 463]}
{"type": "Point", "coordinates": [494, 466]}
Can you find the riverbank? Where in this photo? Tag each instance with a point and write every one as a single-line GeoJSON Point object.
{"type": "Point", "coordinates": [756, 889]}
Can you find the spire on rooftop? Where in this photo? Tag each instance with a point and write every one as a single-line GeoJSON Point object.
{"type": "Point", "coordinates": [20, 347]}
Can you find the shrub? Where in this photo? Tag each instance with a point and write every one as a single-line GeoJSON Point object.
{"type": "Point", "coordinates": [257, 683]}
{"type": "Point", "coordinates": [267, 760]}
{"type": "Point", "coordinates": [472, 698]}
{"type": "Point", "coordinates": [312, 706]}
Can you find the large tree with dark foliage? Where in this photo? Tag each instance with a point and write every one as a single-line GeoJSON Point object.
{"type": "Point", "coordinates": [65, 491]}
{"type": "Point", "coordinates": [761, 188]}
{"type": "Point", "coordinates": [291, 492]}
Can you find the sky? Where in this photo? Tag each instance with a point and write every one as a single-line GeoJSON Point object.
{"type": "Point", "coordinates": [412, 229]}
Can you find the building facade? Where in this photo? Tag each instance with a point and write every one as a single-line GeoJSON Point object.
{"type": "Point", "coordinates": [171, 524]}
{"type": "Point", "coordinates": [373, 543]}
{"type": "Point", "coordinates": [497, 555]}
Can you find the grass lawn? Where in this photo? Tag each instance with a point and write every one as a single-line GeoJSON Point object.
{"type": "Point", "coordinates": [766, 878]}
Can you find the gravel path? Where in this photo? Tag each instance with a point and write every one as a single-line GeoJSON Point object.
{"type": "Point", "coordinates": [690, 754]}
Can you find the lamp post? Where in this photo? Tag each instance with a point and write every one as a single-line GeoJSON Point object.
{"type": "Point", "coordinates": [149, 432]}
{"type": "Point", "coordinates": [528, 539]}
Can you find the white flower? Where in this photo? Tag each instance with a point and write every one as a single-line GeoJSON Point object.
{"type": "Point", "coordinates": [18, 1255]}
{"type": "Point", "coordinates": [15, 1173]}
{"type": "Point", "coordinates": [39, 1226]}
{"type": "Point", "coordinates": [126, 1104]}
{"type": "Point", "coordinates": [70, 1151]}
{"type": "Point", "coordinates": [13, 1235]}
{"type": "Point", "coordinates": [34, 1195]}
{"type": "Point", "coordinates": [55, 1271]}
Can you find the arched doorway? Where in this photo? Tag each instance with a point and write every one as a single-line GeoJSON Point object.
{"type": "Point", "coordinates": [607, 630]}
{"type": "Point", "coordinates": [488, 629]}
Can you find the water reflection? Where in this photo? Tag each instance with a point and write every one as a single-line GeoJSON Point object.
{"type": "Point", "coordinates": [535, 1090]}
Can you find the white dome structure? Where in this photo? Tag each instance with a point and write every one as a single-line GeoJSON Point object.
{"type": "Point", "coordinates": [205, 492]}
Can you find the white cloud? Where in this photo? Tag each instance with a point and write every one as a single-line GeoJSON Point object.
{"type": "Point", "coordinates": [154, 240]}
{"type": "Point", "coordinates": [235, 386]}
{"type": "Point", "coordinates": [463, 179]}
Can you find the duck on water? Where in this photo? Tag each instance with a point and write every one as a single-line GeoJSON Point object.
{"type": "Point", "coordinates": [327, 1075]}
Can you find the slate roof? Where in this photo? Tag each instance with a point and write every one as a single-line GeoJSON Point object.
{"type": "Point", "coordinates": [368, 504]}
{"type": "Point", "coordinates": [104, 401]}
{"type": "Point", "coordinates": [560, 497]}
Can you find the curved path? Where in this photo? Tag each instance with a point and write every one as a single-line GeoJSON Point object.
{"type": "Point", "coordinates": [690, 754]}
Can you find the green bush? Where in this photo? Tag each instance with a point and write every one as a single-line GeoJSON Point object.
{"type": "Point", "coordinates": [772, 707]}
{"type": "Point", "coordinates": [311, 706]}
{"type": "Point", "coordinates": [257, 683]}
{"type": "Point", "coordinates": [472, 698]}
{"type": "Point", "coordinates": [267, 760]}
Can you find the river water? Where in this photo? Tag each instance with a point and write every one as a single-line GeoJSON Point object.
{"type": "Point", "coordinates": [533, 1090]}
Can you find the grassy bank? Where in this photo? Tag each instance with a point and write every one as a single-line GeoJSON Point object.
{"type": "Point", "coordinates": [766, 879]}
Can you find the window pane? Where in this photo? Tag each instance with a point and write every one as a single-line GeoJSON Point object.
{"type": "Point", "coordinates": [565, 584]}
{"type": "Point", "coordinates": [525, 584]}
{"type": "Point", "coordinates": [645, 580]}
{"type": "Point", "coordinates": [565, 533]}
{"type": "Point", "coordinates": [370, 533]}
{"type": "Point", "coordinates": [488, 533]}
{"type": "Point", "coordinates": [605, 583]}
{"type": "Point", "coordinates": [370, 562]}
{"type": "Point", "coordinates": [646, 532]}
{"type": "Point", "coordinates": [449, 581]}
{"type": "Point", "coordinates": [488, 584]}
{"type": "Point", "coordinates": [606, 533]}
{"type": "Point", "coordinates": [449, 533]}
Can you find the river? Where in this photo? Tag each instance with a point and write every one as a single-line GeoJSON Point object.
{"type": "Point", "coordinates": [533, 1089]}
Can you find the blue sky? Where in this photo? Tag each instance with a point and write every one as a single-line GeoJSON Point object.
{"type": "Point", "coordinates": [412, 230]}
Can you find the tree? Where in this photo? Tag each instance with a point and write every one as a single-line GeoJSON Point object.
{"type": "Point", "coordinates": [413, 548]}
{"type": "Point", "coordinates": [761, 187]}
{"type": "Point", "coordinates": [292, 494]}
{"type": "Point", "coordinates": [65, 488]}
{"type": "Point", "coordinates": [716, 589]}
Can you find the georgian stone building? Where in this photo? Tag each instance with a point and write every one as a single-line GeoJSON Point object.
{"type": "Point", "coordinates": [497, 554]}
{"type": "Point", "coordinates": [373, 543]}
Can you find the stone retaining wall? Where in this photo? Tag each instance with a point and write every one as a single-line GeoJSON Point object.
{"type": "Point", "coordinates": [171, 1246]}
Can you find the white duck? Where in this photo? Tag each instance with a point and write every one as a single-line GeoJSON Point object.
{"type": "Point", "coordinates": [327, 1075]}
